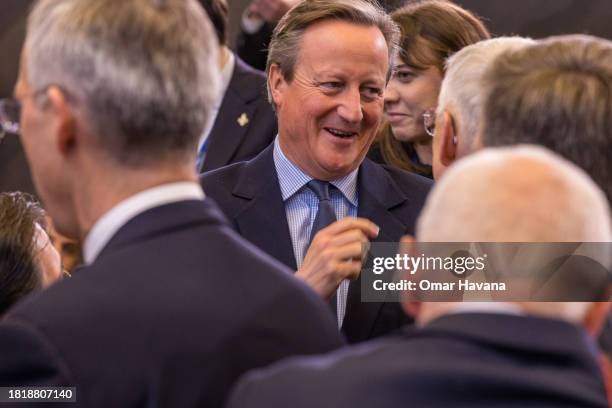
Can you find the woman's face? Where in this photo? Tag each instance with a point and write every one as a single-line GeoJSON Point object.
{"type": "Point", "coordinates": [410, 93]}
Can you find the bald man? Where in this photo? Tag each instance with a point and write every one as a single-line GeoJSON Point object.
{"type": "Point", "coordinates": [472, 354]}
{"type": "Point", "coordinates": [555, 92]}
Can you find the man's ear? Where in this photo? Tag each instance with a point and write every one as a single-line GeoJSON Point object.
{"type": "Point", "coordinates": [448, 140]}
{"type": "Point", "coordinates": [277, 84]}
{"type": "Point", "coordinates": [66, 136]}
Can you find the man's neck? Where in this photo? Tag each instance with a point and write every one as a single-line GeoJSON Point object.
{"type": "Point", "coordinates": [223, 56]}
{"type": "Point", "coordinates": [95, 199]}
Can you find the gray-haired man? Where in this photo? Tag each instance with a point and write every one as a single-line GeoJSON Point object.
{"type": "Point", "coordinates": [114, 97]}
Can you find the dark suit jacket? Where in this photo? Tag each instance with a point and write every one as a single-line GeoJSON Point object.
{"type": "Point", "coordinates": [466, 360]}
{"type": "Point", "coordinates": [231, 141]}
{"type": "Point", "coordinates": [175, 308]}
{"type": "Point", "coordinates": [253, 48]}
{"type": "Point", "coordinates": [250, 196]}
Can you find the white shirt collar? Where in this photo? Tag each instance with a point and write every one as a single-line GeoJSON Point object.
{"type": "Point", "coordinates": [107, 225]}
{"type": "Point", "coordinates": [487, 307]}
{"type": "Point", "coordinates": [291, 178]}
{"type": "Point", "coordinates": [226, 77]}
{"type": "Point", "coordinates": [226, 74]}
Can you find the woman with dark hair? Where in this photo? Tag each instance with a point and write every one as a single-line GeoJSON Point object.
{"type": "Point", "coordinates": [28, 260]}
{"type": "Point", "coordinates": [431, 31]}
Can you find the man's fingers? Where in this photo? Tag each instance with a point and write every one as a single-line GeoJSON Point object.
{"type": "Point", "coordinates": [349, 237]}
{"type": "Point", "coordinates": [349, 269]}
{"type": "Point", "coordinates": [366, 226]}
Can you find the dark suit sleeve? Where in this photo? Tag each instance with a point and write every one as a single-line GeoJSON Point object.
{"type": "Point", "coordinates": [253, 48]}
{"type": "Point", "coordinates": [28, 359]}
{"type": "Point", "coordinates": [274, 387]}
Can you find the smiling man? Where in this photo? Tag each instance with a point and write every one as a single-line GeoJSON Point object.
{"type": "Point", "coordinates": [311, 200]}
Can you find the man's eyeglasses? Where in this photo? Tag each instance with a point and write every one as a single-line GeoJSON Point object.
{"type": "Point", "coordinates": [429, 121]}
{"type": "Point", "coordinates": [10, 111]}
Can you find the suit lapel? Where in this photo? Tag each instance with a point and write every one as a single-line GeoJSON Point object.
{"type": "Point", "coordinates": [234, 119]}
{"type": "Point", "coordinates": [263, 219]}
{"type": "Point", "coordinates": [378, 195]}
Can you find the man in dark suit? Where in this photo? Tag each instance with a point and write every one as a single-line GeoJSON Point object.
{"type": "Point", "coordinates": [242, 122]}
{"type": "Point", "coordinates": [166, 297]}
{"type": "Point", "coordinates": [329, 105]}
{"type": "Point", "coordinates": [479, 354]}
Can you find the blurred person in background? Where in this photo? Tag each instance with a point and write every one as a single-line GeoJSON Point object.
{"type": "Point", "coordinates": [28, 260]}
{"type": "Point", "coordinates": [431, 31]}
{"type": "Point", "coordinates": [242, 123]}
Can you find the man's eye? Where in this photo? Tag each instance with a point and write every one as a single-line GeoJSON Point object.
{"type": "Point", "coordinates": [331, 85]}
{"type": "Point", "coordinates": [372, 92]}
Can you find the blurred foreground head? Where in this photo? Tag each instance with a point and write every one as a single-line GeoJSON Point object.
{"type": "Point", "coordinates": [516, 194]}
{"type": "Point", "coordinates": [28, 260]}
{"type": "Point", "coordinates": [558, 94]}
{"type": "Point", "coordinates": [115, 95]}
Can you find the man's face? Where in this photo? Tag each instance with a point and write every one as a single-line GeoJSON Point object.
{"type": "Point", "coordinates": [329, 113]}
{"type": "Point", "coordinates": [39, 124]}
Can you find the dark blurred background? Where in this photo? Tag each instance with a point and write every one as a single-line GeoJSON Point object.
{"type": "Point", "coordinates": [534, 18]}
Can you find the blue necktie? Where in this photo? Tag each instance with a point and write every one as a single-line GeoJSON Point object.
{"type": "Point", "coordinates": [325, 216]}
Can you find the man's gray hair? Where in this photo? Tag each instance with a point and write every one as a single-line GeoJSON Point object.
{"type": "Point", "coordinates": [461, 92]}
{"type": "Point", "coordinates": [558, 94]}
{"type": "Point", "coordinates": [142, 72]}
{"type": "Point", "coordinates": [286, 39]}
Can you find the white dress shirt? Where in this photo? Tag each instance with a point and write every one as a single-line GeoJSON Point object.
{"type": "Point", "coordinates": [302, 205]}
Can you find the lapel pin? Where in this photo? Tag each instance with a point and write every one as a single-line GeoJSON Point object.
{"type": "Point", "coordinates": [243, 120]}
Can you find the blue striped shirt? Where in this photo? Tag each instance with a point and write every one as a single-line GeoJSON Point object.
{"type": "Point", "coordinates": [302, 204]}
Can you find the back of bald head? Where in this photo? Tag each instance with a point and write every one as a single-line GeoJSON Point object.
{"type": "Point", "coordinates": [515, 194]}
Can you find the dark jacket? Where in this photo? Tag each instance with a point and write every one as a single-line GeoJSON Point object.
{"type": "Point", "coordinates": [249, 195]}
{"type": "Point", "coordinates": [467, 360]}
{"type": "Point", "coordinates": [175, 308]}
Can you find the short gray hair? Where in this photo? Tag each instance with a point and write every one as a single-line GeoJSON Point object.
{"type": "Point", "coordinates": [143, 72]}
{"type": "Point", "coordinates": [461, 92]}
{"type": "Point", "coordinates": [285, 44]}
{"type": "Point", "coordinates": [557, 93]}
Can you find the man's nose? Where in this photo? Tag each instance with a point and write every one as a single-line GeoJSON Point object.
{"type": "Point", "coordinates": [391, 95]}
{"type": "Point", "coordinates": [350, 108]}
